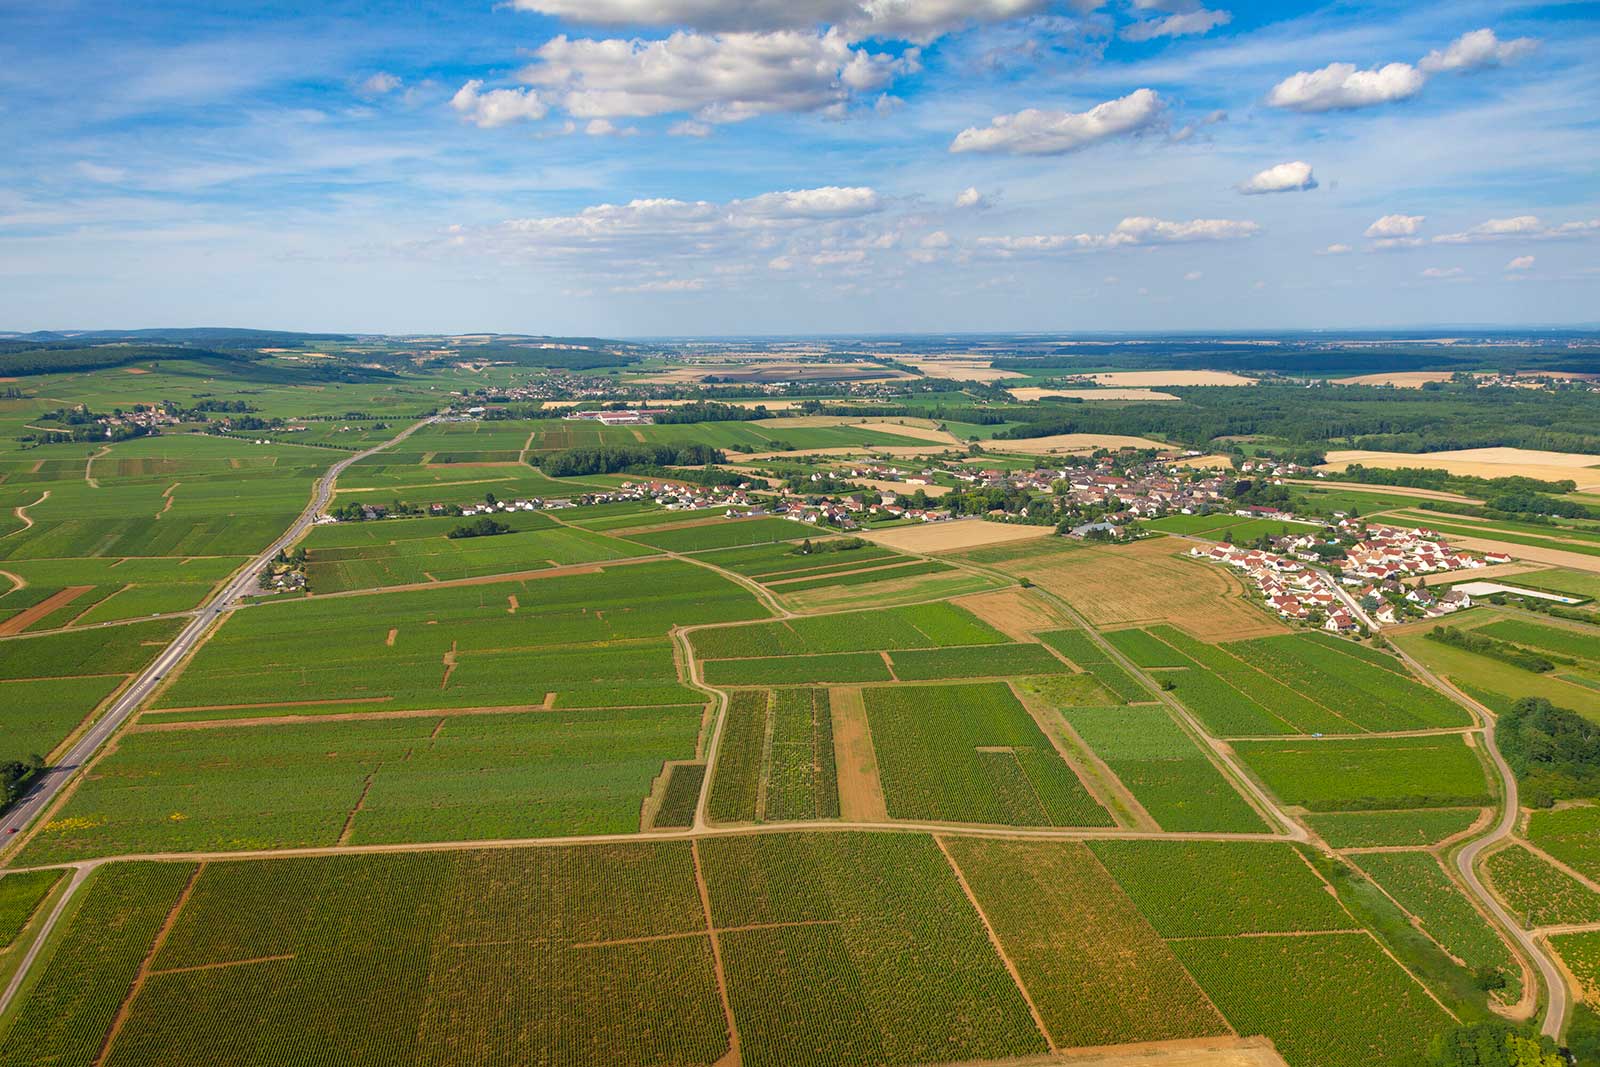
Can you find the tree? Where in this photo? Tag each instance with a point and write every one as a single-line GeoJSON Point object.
{"type": "Point", "coordinates": [1492, 1044]}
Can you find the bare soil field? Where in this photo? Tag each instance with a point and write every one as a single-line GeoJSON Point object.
{"type": "Point", "coordinates": [1147, 582]}
{"type": "Point", "coordinates": [1071, 442]}
{"type": "Point", "coordinates": [962, 370]}
{"type": "Point", "coordinates": [956, 535]}
{"type": "Point", "coordinates": [860, 791]}
{"type": "Point", "coordinates": [1031, 392]}
{"type": "Point", "coordinates": [1199, 1052]}
{"type": "Point", "coordinates": [1014, 612]}
{"type": "Point", "coordinates": [27, 617]}
{"type": "Point", "coordinates": [1483, 463]}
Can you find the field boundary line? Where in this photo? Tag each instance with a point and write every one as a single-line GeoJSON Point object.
{"type": "Point", "coordinates": [224, 963]}
{"type": "Point", "coordinates": [732, 1056]}
{"type": "Point", "coordinates": [994, 939]}
{"type": "Point", "coordinates": [648, 938]}
{"type": "Point", "coordinates": [1071, 748]}
{"type": "Point", "coordinates": [126, 1007]}
{"type": "Point", "coordinates": [361, 803]}
{"type": "Point", "coordinates": [21, 512]}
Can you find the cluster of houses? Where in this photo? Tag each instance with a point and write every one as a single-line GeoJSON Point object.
{"type": "Point", "coordinates": [634, 417]}
{"type": "Point", "coordinates": [1370, 590]}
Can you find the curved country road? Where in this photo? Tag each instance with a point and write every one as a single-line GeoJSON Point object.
{"type": "Point", "coordinates": [53, 779]}
{"type": "Point", "coordinates": [1555, 1016]}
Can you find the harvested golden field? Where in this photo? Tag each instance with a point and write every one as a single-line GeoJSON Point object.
{"type": "Point", "coordinates": [1032, 392]}
{"type": "Point", "coordinates": [763, 371]}
{"type": "Point", "coordinates": [1147, 582]}
{"type": "Point", "coordinates": [1483, 463]}
{"type": "Point", "coordinates": [956, 535]}
{"type": "Point", "coordinates": [1017, 613]}
{"type": "Point", "coordinates": [1205, 462]}
{"type": "Point", "coordinates": [1405, 379]}
{"type": "Point", "coordinates": [1147, 378]}
{"type": "Point", "coordinates": [920, 429]}
{"type": "Point", "coordinates": [1071, 442]}
{"type": "Point", "coordinates": [885, 486]}
{"type": "Point", "coordinates": [1380, 490]}
{"type": "Point", "coordinates": [880, 451]}
{"type": "Point", "coordinates": [961, 370]}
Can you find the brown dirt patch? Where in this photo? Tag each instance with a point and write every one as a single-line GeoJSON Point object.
{"type": "Point", "coordinates": [137, 370]}
{"type": "Point", "coordinates": [1148, 582]}
{"type": "Point", "coordinates": [1072, 442]}
{"type": "Point", "coordinates": [511, 604]}
{"type": "Point", "coordinates": [860, 790]}
{"type": "Point", "coordinates": [449, 666]}
{"type": "Point", "coordinates": [1197, 1052]}
{"type": "Point", "coordinates": [956, 535]}
{"type": "Point", "coordinates": [26, 618]}
{"type": "Point", "coordinates": [393, 633]}
{"type": "Point", "coordinates": [1016, 613]}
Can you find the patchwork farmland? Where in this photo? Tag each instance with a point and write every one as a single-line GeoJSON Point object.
{"type": "Point", "coordinates": [669, 777]}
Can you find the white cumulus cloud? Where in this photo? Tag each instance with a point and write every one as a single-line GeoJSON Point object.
{"type": "Point", "coordinates": [717, 78]}
{"type": "Point", "coordinates": [1340, 86]}
{"type": "Point", "coordinates": [1282, 178]}
{"type": "Point", "coordinates": [497, 107]}
{"type": "Point", "coordinates": [1520, 263]}
{"type": "Point", "coordinates": [1477, 50]}
{"type": "Point", "coordinates": [1443, 273]}
{"type": "Point", "coordinates": [1335, 249]}
{"type": "Point", "coordinates": [1035, 132]}
{"type": "Point", "coordinates": [971, 198]}
{"type": "Point", "coordinates": [1395, 226]}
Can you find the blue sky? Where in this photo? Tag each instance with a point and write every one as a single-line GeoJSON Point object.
{"type": "Point", "coordinates": [625, 167]}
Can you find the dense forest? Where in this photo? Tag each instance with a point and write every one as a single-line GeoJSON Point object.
{"type": "Point", "coordinates": [1391, 420]}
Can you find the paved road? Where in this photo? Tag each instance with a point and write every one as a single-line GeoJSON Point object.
{"type": "Point", "coordinates": [49, 784]}
{"type": "Point", "coordinates": [1555, 1016]}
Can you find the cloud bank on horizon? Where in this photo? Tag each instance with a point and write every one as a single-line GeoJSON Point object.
{"type": "Point", "coordinates": [707, 166]}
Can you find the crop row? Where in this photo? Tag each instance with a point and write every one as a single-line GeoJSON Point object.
{"type": "Point", "coordinates": [934, 625]}
{"type": "Point", "coordinates": [736, 781]}
{"type": "Point", "coordinates": [972, 753]}
{"type": "Point", "coordinates": [1078, 647]}
{"type": "Point", "coordinates": [1163, 768]}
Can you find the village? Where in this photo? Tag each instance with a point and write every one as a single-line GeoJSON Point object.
{"type": "Point", "coordinates": [1371, 588]}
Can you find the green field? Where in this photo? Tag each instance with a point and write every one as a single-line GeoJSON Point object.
{"type": "Point", "coordinates": [1377, 829]}
{"type": "Point", "coordinates": [1163, 767]}
{"type": "Point", "coordinates": [1097, 971]}
{"type": "Point", "coordinates": [20, 896]}
{"type": "Point", "coordinates": [1345, 774]}
{"type": "Point", "coordinates": [972, 754]}
{"type": "Point", "coordinates": [937, 625]}
{"type": "Point", "coordinates": [1222, 888]}
{"type": "Point", "coordinates": [1537, 893]}
{"type": "Point", "coordinates": [415, 551]}
{"type": "Point", "coordinates": [858, 949]}
{"type": "Point", "coordinates": [1571, 835]}
{"type": "Point", "coordinates": [1081, 650]}
{"type": "Point", "coordinates": [1417, 882]}
{"type": "Point", "coordinates": [595, 640]}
